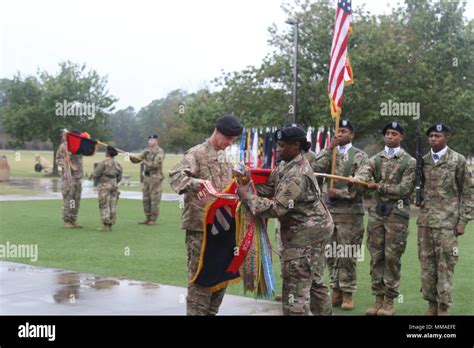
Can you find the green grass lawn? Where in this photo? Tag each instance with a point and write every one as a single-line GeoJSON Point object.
{"type": "Point", "coordinates": [157, 254]}
{"type": "Point", "coordinates": [22, 166]}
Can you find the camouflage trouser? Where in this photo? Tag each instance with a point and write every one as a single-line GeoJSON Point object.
{"type": "Point", "coordinates": [279, 244]}
{"type": "Point", "coordinates": [386, 242]}
{"type": "Point", "coordinates": [151, 197]}
{"type": "Point", "coordinates": [108, 197]}
{"type": "Point", "coordinates": [348, 234]}
{"type": "Point", "coordinates": [199, 300]}
{"type": "Point", "coordinates": [71, 199]}
{"type": "Point", "coordinates": [303, 281]}
{"type": "Point", "coordinates": [438, 254]}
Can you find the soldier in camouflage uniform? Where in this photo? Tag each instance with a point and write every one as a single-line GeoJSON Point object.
{"type": "Point", "coordinates": [108, 175]}
{"type": "Point", "coordinates": [306, 224]}
{"type": "Point", "coordinates": [447, 207]}
{"type": "Point", "coordinates": [393, 174]}
{"type": "Point", "coordinates": [152, 158]}
{"type": "Point", "coordinates": [71, 169]}
{"type": "Point", "coordinates": [204, 162]}
{"type": "Point", "coordinates": [345, 202]}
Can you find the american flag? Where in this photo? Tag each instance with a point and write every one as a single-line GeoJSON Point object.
{"type": "Point", "coordinates": [340, 72]}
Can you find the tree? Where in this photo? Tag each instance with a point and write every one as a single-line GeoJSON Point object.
{"type": "Point", "coordinates": [30, 105]}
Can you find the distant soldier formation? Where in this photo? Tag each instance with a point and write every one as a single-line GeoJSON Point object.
{"type": "Point", "coordinates": [310, 222]}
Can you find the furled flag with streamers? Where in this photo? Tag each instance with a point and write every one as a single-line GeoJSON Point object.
{"type": "Point", "coordinates": [340, 71]}
{"type": "Point", "coordinates": [81, 144]}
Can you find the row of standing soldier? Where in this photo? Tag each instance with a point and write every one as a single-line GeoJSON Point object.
{"type": "Point", "coordinates": [308, 225]}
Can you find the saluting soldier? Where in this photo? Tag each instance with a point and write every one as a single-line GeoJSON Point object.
{"type": "Point", "coordinates": [445, 211]}
{"type": "Point", "coordinates": [152, 158]}
{"type": "Point", "coordinates": [392, 176]}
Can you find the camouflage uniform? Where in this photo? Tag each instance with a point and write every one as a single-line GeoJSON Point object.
{"type": "Point", "coordinates": [71, 189]}
{"type": "Point", "coordinates": [306, 228]}
{"type": "Point", "coordinates": [347, 210]}
{"type": "Point", "coordinates": [108, 174]}
{"type": "Point", "coordinates": [201, 162]}
{"type": "Point", "coordinates": [447, 202]}
{"type": "Point", "coordinates": [387, 235]}
{"type": "Point", "coordinates": [153, 158]}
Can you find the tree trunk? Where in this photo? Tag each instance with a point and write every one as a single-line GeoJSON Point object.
{"type": "Point", "coordinates": [55, 165]}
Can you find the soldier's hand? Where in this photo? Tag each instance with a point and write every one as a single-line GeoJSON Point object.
{"type": "Point", "coordinates": [334, 142]}
{"type": "Point", "coordinates": [373, 186]}
{"type": "Point", "coordinates": [458, 230]}
{"type": "Point", "coordinates": [332, 193]}
{"type": "Point", "coordinates": [243, 191]}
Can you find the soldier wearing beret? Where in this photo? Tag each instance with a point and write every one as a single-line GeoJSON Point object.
{"type": "Point", "coordinates": [152, 158]}
{"type": "Point", "coordinates": [446, 209]}
{"type": "Point", "coordinates": [108, 175]}
{"type": "Point", "coordinates": [392, 176]}
{"type": "Point", "coordinates": [306, 224]}
{"type": "Point", "coordinates": [345, 202]}
{"type": "Point", "coordinates": [204, 162]}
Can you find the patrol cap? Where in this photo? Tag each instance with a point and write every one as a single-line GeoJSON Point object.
{"type": "Point", "coordinates": [393, 125]}
{"type": "Point", "coordinates": [346, 124]}
{"type": "Point", "coordinates": [112, 151]}
{"type": "Point", "coordinates": [229, 126]}
{"type": "Point", "coordinates": [438, 127]}
{"type": "Point", "coordinates": [153, 136]}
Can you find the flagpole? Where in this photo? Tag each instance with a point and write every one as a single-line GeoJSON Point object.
{"type": "Point", "coordinates": [333, 163]}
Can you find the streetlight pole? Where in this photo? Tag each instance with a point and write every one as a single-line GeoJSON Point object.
{"type": "Point", "coordinates": [294, 96]}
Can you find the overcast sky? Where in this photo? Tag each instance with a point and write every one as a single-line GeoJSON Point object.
{"type": "Point", "coordinates": [146, 47]}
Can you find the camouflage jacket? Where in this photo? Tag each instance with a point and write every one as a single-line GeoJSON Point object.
{"type": "Point", "coordinates": [108, 171]}
{"type": "Point", "coordinates": [296, 202]}
{"type": "Point", "coordinates": [447, 192]}
{"type": "Point", "coordinates": [153, 161]}
{"type": "Point", "coordinates": [396, 183]}
{"type": "Point", "coordinates": [350, 198]}
{"type": "Point", "coordinates": [76, 162]}
{"type": "Point", "coordinates": [205, 163]}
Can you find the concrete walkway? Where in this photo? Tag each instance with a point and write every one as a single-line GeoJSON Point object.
{"type": "Point", "coordinates": [32, 290]}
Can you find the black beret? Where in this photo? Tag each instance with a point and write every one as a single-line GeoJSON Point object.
{"type": "Point", "coordinates": [229, 126]}
{"type": "Point", "coordinates": [393, 125]}
{"type": "Point", "coordinates": [346, 124]}
{"type": "Point", "coordinates": [112, 151]}
{"type": "Point", "coordinates": [438, 127]}
{"type": "Point", "coordinates": [293, 132]}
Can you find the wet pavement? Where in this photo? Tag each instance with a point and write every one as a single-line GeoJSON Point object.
{"type": "Point", "coordinates": [32, 290]}
{"type": "Point", "coordinates": [50, 189]}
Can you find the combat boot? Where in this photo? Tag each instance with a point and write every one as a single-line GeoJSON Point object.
{"type": "Point", "coordinates": [336, 297]}
{"type": "Point", "coordinates": [377, 305]}
{"type": "Point", "coordinates": [432, 309]}
{"type": "Point", "coordinates": [68, 225]}
{"type": "Point", "coordinates": [104, 228]}
{"type": "Point", "coordinates": [443, 309]}
{"type": "Point", "coordinates": [144, 222]}
{"type": "Point", "coordinates": [151, 223]}
{"type": "Point", "coordinates": [387, 308]}
{"type": "Point", "coordinates": [347, 303]}
{"type": "Point", "coordinates": [76, 225]}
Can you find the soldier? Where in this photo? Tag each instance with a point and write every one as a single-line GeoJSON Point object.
{"type": "Point", "coordinates": [71, 173]}
{"type": "Point", "coordinates": [108, 174]}
{"type": "Point", "coordinates": [204, 162]}
{"type": "Point", "coordinates": [345, 202]}
{"type": "Point", "coordinates": [152, 158]}
{"type": "Point", "coordinates": [393, 174]}
{"type": "Point", "coordinates": [447, 208]}
{"type": "Point", "coordinates": [306, 224]}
